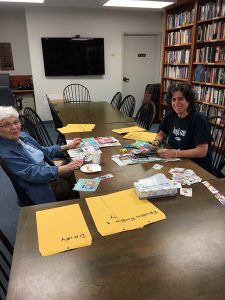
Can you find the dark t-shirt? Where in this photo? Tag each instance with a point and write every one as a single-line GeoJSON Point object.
{"type": "Point", "coordinates": [187, 133]}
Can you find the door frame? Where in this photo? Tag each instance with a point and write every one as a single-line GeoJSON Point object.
{"type": "Point", "coordinates": [159, 53]}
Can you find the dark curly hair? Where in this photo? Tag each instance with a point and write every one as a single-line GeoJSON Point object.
{"type": "Point", "coordinates": [187, 91]}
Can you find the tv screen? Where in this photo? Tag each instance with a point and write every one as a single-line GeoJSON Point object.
{"type": "Point", "coordinates": [73, 56]}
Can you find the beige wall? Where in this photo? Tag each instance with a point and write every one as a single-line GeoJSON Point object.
{"type": "Point", "coordinates": [13, 29]}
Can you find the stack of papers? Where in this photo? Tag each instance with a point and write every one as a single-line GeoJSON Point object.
{"type": "Point", "coordinates": [128, 159]}
{"type": "Point", "coordinates": [141, 136]}
{"type": "Point", "coordinates": [128, 129]}
{"type": "Point", "coordinates": [107, 141]}
{"type": "Point", "coordinates": [184, 176]}
{"type": "Point", "coordinates": [90, 145]}
{"type": "Point", "coordinates": [76, 128]}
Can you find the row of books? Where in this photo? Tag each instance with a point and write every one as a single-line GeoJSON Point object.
{"type": "Point", "coordinates": [176, 72]}
{"type": "Point", "coordinates": [179, 37]}
{"type": "Point", "coordinates": [178, 56]}
{"type": "Point", "coordinates": [209, 75]}
{"type": "Point", "coordinates": [211, 10]}
{"type": "Point", "coordinates": [214, 31]}
{"type": "Point", "coordinates": [211, 54]}
{"type": "Point", "coordinates": [167, 83]}
{"type": "Point", "coordinates": [210, 94]}
{"type": "Point", "coordinates": [181, 19]}
{"type": "Point", "coordinates": [210, 111]}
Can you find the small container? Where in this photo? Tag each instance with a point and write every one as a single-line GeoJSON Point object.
{"type": "Point", "coordinates": [96, 157]}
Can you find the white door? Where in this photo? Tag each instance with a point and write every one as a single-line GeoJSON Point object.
{"type": "Point", "coordinates": [141, 64]}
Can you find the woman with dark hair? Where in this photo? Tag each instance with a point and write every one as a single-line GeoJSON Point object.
{"type": "Point", "coordinates": [187, 131]}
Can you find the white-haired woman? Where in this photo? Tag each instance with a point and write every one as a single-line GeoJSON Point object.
{"type": "Point", "coordinates": [32, 164]}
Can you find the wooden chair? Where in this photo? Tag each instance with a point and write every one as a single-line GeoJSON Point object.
{"type": "Point", "coordinates": [128, 105]}
{"type": "Point", "coordinates": [61, 140]}
{"type": "Point", "coordinates": [27, 126]}
{"type": "Point", "coordinates": [76, 93]}
{"type": "Point", "coordinates": [116, 100]}
{"type": "Point", "coordinates": [152, 93]}
{"type": "Point", "coordinates": [218, 144]}
{"type": "Point", "coordinates": [146, 115]}
{"type": "Point", "coordinates": [23, 199]}
{"type": "Point", "coordinates": [6, 253]}
{"type": "Point", "coordinates": [44, 138]}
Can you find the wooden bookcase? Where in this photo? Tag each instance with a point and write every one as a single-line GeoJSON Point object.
{"type": "Point", "coordinates": [194, 52]}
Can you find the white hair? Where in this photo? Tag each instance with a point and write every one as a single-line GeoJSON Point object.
{"type": "Point", "coordinates": [8, 111]}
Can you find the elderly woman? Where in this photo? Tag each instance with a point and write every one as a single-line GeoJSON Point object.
{"type": "Point", "coordinates": [187, 130]}
{"type": "Point", "coordinates": [32, 163]}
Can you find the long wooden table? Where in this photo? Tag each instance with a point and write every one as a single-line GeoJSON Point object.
{"type": "Point", "coordinates": [90, 112]}
{"type": "Point", "coordinates": [180, 258]}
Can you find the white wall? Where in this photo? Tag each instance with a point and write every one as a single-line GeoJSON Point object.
{"type": "Point", "coordinates": [13, 30]}
{"type": "Point", "coordinates": [64, 22]}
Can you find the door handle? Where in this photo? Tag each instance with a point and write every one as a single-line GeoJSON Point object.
{"type": "Point", "coordinates": [125, 79]}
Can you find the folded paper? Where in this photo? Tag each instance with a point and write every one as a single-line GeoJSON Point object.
{"type": "Point", "coordinates": [122, 211]}
{"type": "Point", "coordinates": [141, 136]}
{"type": "Point", "coordinates": [76, 128]}
{"type": "Point", "coordinates": [128, 129]}
{"type": "Point", "coordinates": [62, 228]}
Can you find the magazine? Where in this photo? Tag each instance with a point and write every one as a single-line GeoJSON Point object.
{"type": "Point", "coordinates": [107, 141]}
{"type": "Point", "coordinates": [86, 185]}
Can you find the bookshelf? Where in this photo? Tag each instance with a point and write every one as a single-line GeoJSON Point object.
{"type": "Point", "coordinates": [194, 52]}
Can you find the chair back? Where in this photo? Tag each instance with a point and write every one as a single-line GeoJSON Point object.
{"type": "Point", "coordinates": [218, 144]}
{"type": "Point", "coordinates": [146, 115]}
{"type": "Point", "coordinates": [61, 140]}
{"type": "Point", "coordinates": [6, 252]}
{"type": "Point", "coordinates": [128, 105]}
{"type": "Point", "coordinates": [27, 126]}
{"type": "Point", "coordinates": [116, 100]}
{"type": "Point", "coordinates": [76, 93]}
{"type": "Point", "coordinates": [152, 93]}
{"type": "Point", "coordinates": [6, 97]}
{"type": "Point", "coordinates": [43, 136]}
{"type": "Point", "coordinates": [55, 116]}
{"type": "Point", "coordinates": [23, 199]}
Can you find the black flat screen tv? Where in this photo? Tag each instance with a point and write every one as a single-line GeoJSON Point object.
{"type": "Point", "coordinates": [73, 56]}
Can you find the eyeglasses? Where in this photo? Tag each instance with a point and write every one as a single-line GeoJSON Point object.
{"type": "Point", "coordinates": [9, 125]}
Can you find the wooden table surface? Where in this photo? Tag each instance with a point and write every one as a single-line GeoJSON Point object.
{"type": "Point", "coordinates": [90, 112]}
{"type": "Point", "coordinates": [180, 258]}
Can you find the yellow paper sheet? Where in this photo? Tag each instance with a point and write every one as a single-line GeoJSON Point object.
{"type": "Point", "coordinates": [128, 129]}
{"type": "Point", "coordinates": [122, 211]}
{"type": "Point", "coordinates": [76, 128]}
{"type": "Point", "coordinates": [62, 228]}
{"type": "Point", "coordinates": [141, 136]}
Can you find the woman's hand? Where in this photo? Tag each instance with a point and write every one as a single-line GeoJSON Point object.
{"type": "Point", "coordinates": [75, 143]}
{"type": "Point", "coordinates": [167, 153]}
{"type": "Point", "coordinates": [73, 165]}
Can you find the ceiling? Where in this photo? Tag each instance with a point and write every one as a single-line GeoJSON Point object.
{"type": "Point", "coordinates": [97, 4]}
